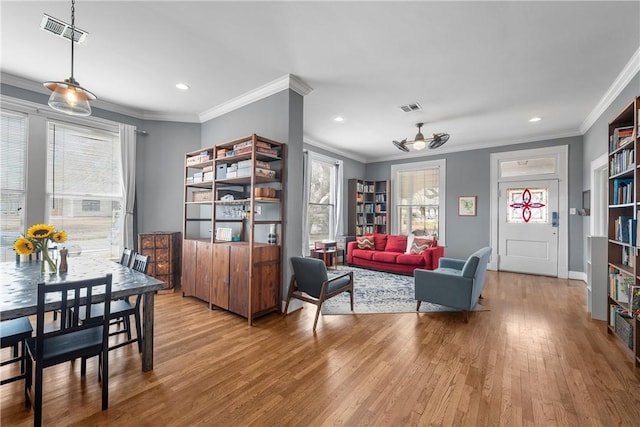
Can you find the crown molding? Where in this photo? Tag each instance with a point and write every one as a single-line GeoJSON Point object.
{"type": "Point", "coordinates": [288, 81]}
{"type": "Point", "coordinates": [334, 150]}
{"type": "Point", "coordinates": [471, 147]}
{"type": "Point", "coordinates": [628, 72]}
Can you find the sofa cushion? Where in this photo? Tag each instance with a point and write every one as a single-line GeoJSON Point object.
{"type": "Point", "coordinates": [363, 253]}
{"type": "Point", "coordinates": [396, 244]}
{"type": "Point", "coordinates": [380, 241]}
{"type": "Point", "coordinates": [406, 259]}
{"type": "Point", "coordinates": [410, 238]}
{"type": "Point", "coordinates": [366, 242]}
{"type": "Point", "coordinates": [385, 256]}
{"type": "Point", "coordinates": [419, 245]}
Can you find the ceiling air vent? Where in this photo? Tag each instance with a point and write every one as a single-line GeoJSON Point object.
{"type": "Point", "coordinates": [62, 29]}
{"type": "Point", "coordinates": [411, 107]}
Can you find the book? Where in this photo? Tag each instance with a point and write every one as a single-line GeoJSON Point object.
{"type": "Point", "coordinates": [634, 300]}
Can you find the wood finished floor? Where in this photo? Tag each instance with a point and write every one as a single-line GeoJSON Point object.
{"type": "Point", "coordinates": [534, 359]}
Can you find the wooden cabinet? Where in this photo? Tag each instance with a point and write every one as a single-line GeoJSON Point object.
{"type": "Point", "coordinates": [233, 211]}
{"type": "Point", "coordinates": [624, 213]}
{"type": "Point", "coordinates": [164, 252]}
{"type": "Point", "coordinates": [368, 209]}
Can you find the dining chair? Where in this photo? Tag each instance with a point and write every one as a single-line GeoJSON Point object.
{"type": "Point", "coordinates": [123, 309]}
{"type": "Point", "coordinates": [127, 257]}
{"type": "Point", "coordinates": [13, 333]}
{"type": "Point", "coordinates": [69, 340]}
{"type": "Point", "coordinates": [311, 283]}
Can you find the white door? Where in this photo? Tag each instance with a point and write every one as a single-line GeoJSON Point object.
{"type": "Point", "coordinates": [528, 227]}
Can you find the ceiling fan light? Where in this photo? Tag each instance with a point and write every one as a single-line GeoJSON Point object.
{"type": "Point", "coordinates": [419, 144]}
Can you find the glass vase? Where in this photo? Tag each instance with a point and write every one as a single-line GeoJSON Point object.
{"type": "Point", "coordinates": [46, 259]}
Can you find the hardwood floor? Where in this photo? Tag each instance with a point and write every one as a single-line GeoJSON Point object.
{"type": "Point", "coordinates": [534, 359]}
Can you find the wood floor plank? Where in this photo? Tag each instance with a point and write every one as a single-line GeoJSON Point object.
{"type": "Point", "coordinates": [534, 359]}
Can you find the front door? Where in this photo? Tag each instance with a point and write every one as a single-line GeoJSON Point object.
{"type": "Point", "coordinates": [528, 227]}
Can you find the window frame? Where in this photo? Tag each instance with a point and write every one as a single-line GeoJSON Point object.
{"type": "Point", "coordinates": [441, 165]}
{"type": "Point", "coordinates": [333, 191]}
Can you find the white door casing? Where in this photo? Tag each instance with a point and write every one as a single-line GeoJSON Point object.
{"type": "Point", "coordinates": [560, 152]}
{"type": "Point", "coordinates": [528, 247]}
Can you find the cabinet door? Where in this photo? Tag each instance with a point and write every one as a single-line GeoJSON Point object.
{"type": "Point", "coordinates": [204, 264]}
{"type": "Point", "coordinates": [220, 281]}
{"type": "Point", "coordinates": [239, 280]}
{"type": "Point", "coordinates": [188, 281]}
{"type": "Point", "coordinates": [266, 279]}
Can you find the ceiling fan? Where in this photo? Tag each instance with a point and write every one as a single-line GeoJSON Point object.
{"type": "Point", "coordinates": [419, 142]}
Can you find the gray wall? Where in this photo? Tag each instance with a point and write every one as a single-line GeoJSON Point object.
{"type": "Point", "coordinates": [278, 117]}
{"type": "Point", "coordinates": [160, 173]}
{"type": "Point", "coordinates": [468, 173]}
{"type": "Point", "coordinates": [595, 140]}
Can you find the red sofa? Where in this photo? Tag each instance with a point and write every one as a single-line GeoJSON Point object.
{"type": "Point", "coordinates": [389, 255]}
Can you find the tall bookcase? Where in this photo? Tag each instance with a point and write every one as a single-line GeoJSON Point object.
{"type": "Point", "coordinates": [623, 245]}
{"type": "Point", "coordinates": [368, 210]}
{"type": "Point", "coordinates": [232, 228]}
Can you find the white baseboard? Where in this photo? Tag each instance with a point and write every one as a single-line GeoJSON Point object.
{"type": "Point", "coordinates": [578, 275]}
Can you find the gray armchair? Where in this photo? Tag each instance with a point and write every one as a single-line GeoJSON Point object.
{"type": "Point", "coordinates": [310, 283]}
{"type": "Point", "coordinates": [455, 283]}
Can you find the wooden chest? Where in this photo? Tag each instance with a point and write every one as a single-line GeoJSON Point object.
{"type": "Point", "coordinates": [164, 252]}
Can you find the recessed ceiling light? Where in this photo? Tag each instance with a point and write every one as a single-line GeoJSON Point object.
{"type": "Point", "coordinates": [535, 119]}
{"type": "Point", "coordinates": [182, 86]}
{"type": "Point", "coordinates": [338, 119]}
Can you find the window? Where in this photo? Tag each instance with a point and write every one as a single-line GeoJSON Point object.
{"type": "Point", "coordinates": [533, 210]}
{"type": "Point", "coordinates": [418, 194]}
{"type": "Point", "coordinates": [13, 156]}
{"type": "Point", "coordinates": [84, 187]}
{"type": "Point", "coordinates": [324, 190]}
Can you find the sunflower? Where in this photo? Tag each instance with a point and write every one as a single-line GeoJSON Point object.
{"type": "Point", "coordinates": [24, 246]}
{"type": "Point", "coordinates": [40, 231]}
{"type": "Point", "coordinates": [59, 236]}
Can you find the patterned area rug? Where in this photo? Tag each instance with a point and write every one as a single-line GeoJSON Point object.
{"type": "Point", "coordinates": [379, 292]}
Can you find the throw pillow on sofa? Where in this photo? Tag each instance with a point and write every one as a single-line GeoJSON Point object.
{"type": "Point", "coordinates": [396, 244]}
{"type": "Point", "coordinates": [419, 245]}
{"type": "Point", "coordinates": [366, 242]}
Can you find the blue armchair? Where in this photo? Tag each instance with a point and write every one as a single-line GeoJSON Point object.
{"type": "Point", "coordinates": [455, 283]}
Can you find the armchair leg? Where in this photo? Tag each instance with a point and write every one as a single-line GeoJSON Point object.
{"type": "Point", "coordinates": [315, 322]}
{"type": "Point", "coordinates": [418, 306]}
{"type": "Point", "coordinates": [351, 297]}
{"type": "Point", "coordinates": [466, 316]}
{"type": "Point", "coordinates": [289, 294]}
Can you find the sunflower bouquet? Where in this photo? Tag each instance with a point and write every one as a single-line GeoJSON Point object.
{"type": "Point", "coordinates": [37, 239]}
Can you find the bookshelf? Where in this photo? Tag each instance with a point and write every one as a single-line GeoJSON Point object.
{"type": "Point", "coordinates": [368, 210]}
{"type": "Point", "coordinates": [623, 320]}
{"type": "Point", "coordinates": [232, 228]}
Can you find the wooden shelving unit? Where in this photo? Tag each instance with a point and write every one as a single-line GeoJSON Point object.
{"type": "Point", "coordinates": [624, 213]}
{"type": "Point", "coordinates": [232, 228]}
{"type": "Point", "coordinates": [368, 210]}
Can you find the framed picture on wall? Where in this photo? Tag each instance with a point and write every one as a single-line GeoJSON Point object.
{"type": "Point", "coordinates": [467, 205]}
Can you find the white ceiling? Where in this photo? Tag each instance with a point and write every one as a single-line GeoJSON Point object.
{"type": "Point", "coordinates": [479, 69]}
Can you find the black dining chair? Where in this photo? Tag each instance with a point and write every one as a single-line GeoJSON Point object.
{"type": "Point", "coordinates": [123, 309]}
{"type": "Point", "coordinates": [13, 333]}
{"type": "Point", "coordinates": [69, 340]}
{"type": "Point", "coordinates": [127, 257]}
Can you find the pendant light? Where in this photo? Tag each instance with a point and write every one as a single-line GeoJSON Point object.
{"type": "Point", "coordinates": [68, 96]}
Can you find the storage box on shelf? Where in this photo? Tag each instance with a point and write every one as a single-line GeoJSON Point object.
{"type": "Point", "coordinates": [239, 226]}
{"type": "Point", "coordinates": [624, 212]}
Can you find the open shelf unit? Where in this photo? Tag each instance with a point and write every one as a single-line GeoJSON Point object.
{"type": "Point", "coordinates": [623, 320]}
{"type": "Point", "coordinates": [368, 207]}
{"type": "Point", "coordinates": [232, 228]}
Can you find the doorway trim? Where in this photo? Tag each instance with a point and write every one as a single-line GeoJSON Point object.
{"type": "Point", "coordinates": [561, 152]}
{"type": "Point", "coordinates": [599, 193]}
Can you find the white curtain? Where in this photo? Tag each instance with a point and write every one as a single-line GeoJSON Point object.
{"type": "Point", "coordinates": [128, 158]}
{"type": "Point", "coordinates": [339, 220]}
{"type": "Point", "coordinates": [306, 174]}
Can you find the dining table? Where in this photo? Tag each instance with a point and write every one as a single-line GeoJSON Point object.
{"type": "Point", "coordinates": [19, 290]}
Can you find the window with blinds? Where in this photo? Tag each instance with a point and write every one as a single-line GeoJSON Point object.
{"type": "Point", "coordinates": [322, 199]}
{"type": "Point", "coordinates": [84, 188]}
{"type": "Point", "coordinates": [419, 198]}
{"type": "Point", "coordinates": [13, 157]}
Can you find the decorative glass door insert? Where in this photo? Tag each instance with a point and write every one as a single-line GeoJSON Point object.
{"type": "Point", "coordinates": [527, 205]}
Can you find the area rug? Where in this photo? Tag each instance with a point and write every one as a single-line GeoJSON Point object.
{"type": "Point", "coordinates": [380, 292]}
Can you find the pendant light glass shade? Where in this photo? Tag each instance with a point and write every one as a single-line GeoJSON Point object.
{"type": "Point", "coordinates": [69, 97]}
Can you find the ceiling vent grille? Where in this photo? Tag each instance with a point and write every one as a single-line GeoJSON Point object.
{"type": "Point", "coordinates": [411, 107]}
{"type": "Point", "coordinates": [62, 29]}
